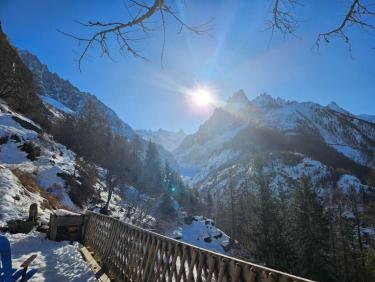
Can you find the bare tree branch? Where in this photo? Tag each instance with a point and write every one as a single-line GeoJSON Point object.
{"type": "Point", "coordinates": [138, 24]}
{"type": "Point", "coordinates": [282, 19]}
{"type": "Point", "coordinates": [357, 15]}
{"type": "Point", "coordinates": [142, 24]}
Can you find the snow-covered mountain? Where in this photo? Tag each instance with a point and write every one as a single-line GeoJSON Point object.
{"type": "Point", "coordinates": [62, 95]}
{"type": "Point", "coordinates": [241, 124]}
{"type": "Point", "coordinates": [293, 137]}
{"type": "Point", "coordinates": [168, 139]}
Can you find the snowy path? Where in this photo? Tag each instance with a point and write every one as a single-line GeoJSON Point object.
{"type": "Point", "coordinates": [56, 261]}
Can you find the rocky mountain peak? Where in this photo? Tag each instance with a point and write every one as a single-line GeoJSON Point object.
{"type": "Point", "coordinates": [238, 104]}
{"type": "Point", "coordinates": [333, 106]}
{"type": "Point", "coordinates": [31, 60]}
{"type": "Point", "coordinates": [267, 102]}
{"type": "Point", "coordinates": [238, 98]}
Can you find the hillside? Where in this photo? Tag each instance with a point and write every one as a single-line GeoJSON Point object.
{"type": "Point", "coordinates": [62, 98]}
{"type": "Point", "coordinates": [269, 170]}
{"type": "Point", "coordinates": [62, 95]}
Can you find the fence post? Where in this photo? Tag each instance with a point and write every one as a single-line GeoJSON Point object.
{"type": "Point", "coordinates": [84, 226]}
{"type": "Point", "coordinates": [52, 227]}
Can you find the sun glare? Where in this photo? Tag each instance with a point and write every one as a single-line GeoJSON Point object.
{"type": "Point", "coordinates": [202, 97]}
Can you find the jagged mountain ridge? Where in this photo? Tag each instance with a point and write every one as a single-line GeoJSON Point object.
{"type": "Point", "coordinates": [170, 140]}
{"type": "Point", "coordinates": [347, 134]}
{"type": "Point", "coordinates": [53, 88]}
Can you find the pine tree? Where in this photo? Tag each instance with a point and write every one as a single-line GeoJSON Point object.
{"type": "Point", "coordinates": [168, 178]}
{"type": "Point", "coordinates": [311, 234]}
{"type": "Point", "coordinates": [266, 225]}
{"type": "Point", "coordinates": [152, 182]}
{"type": "Point", "coordinates": [166, 208]}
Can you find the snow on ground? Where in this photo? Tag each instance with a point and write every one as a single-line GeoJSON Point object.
{"type": "Point", "coordinates": [56, 104]}
{"type": "Point", "coordinates": [54, 158]}
{"type": "Point", "coordinates": [56, 261]}
{"type": "Point", "coordinates": [14, 198]}
{"type": "Point", "coordinates": [201, 233]}
{"type": "Point", "coordinates": [348, 182]}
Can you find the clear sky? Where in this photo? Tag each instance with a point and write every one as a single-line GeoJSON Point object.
{"type": "Point", "coordinates": [235, 54]}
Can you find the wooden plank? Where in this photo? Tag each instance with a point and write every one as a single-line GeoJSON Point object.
{"type": "Point", "coordinates": [98, 272]}
{"type": "Point", "coordinates": [27, 262]}
{"type": "Point", "coordinates": [52, 227]}
{"type": "Point", "coordinates": [67, 220]}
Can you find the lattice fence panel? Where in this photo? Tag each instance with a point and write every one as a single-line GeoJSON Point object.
{"type": "Point", "coordinates": [130, 253]}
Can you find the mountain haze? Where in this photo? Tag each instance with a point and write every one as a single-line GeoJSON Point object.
{"type": "Point", "coordinates": [168, 139]}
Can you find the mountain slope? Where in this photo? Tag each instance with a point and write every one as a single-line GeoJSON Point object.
{"type": "Point", "coordinates": [61, 98]}
{"type": "Point", "coordinates": [61, 94]}
{"type": "Point", "coordinates": [17, 87]}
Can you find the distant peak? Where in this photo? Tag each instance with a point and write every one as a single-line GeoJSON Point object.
{"type": "Point", "coordinates": [25, 54]}
{"type": "Point", "coordinates": [238, 97]}
{"type": "Point", "coordinates": [333, 106]}
{"type": "Point", "coordinates": [264, 98]}
{"type": "Point", "coordinates": [267, 102]}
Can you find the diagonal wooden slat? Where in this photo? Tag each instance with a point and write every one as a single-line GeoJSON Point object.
{"type": "Point", "coordinates": [130, 253]}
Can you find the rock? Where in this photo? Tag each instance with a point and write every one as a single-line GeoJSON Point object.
{"type": "Point", "coordinates": [20, 226]}
{"type": "Point", "coordinates": [219, 235]}
{"type": "Point", "coordinates": [33, 212]}
{"type": "Point", "coordinates": [207, 239]}
{"type": "Point", "coordinates": [188, 220]}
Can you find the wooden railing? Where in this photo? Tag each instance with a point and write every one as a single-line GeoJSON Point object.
{"type": "Point", "coordinates": [129, 253]}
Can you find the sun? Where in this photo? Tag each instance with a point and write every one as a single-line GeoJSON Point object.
{"type": "Point", "coordinates": [202, 97]}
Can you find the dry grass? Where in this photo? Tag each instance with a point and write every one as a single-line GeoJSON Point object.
{"type": "Point", "coordinates": [29, 183]}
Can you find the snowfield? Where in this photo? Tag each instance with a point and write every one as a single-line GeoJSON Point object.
{"type": "Point", "coordinates": [202, 233]}
{"type": "Point", "coordinates": [55, 261]}
{"type": "Point", "coordinates": [54, 158]}
{"type": "Point", "coordinates": [11, 206]}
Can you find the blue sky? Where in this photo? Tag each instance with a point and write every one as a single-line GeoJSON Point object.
{"type": "Point", "coordinates": [235, 54]}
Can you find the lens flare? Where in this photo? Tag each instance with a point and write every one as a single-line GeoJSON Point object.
{"type": "Point", "coordinates": [201, 97]}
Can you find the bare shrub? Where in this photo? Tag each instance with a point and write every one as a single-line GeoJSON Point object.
{"type": "Point", "coordinates": [28, 182]}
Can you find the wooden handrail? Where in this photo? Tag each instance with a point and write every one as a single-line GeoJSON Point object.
{"type": "Point", "coordinates": [130, 253]}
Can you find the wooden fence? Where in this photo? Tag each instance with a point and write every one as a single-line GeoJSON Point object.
{"type": "Point", "coordinates": [71, 222]}
{"type": "Point", "coordinates": [129, 253]}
